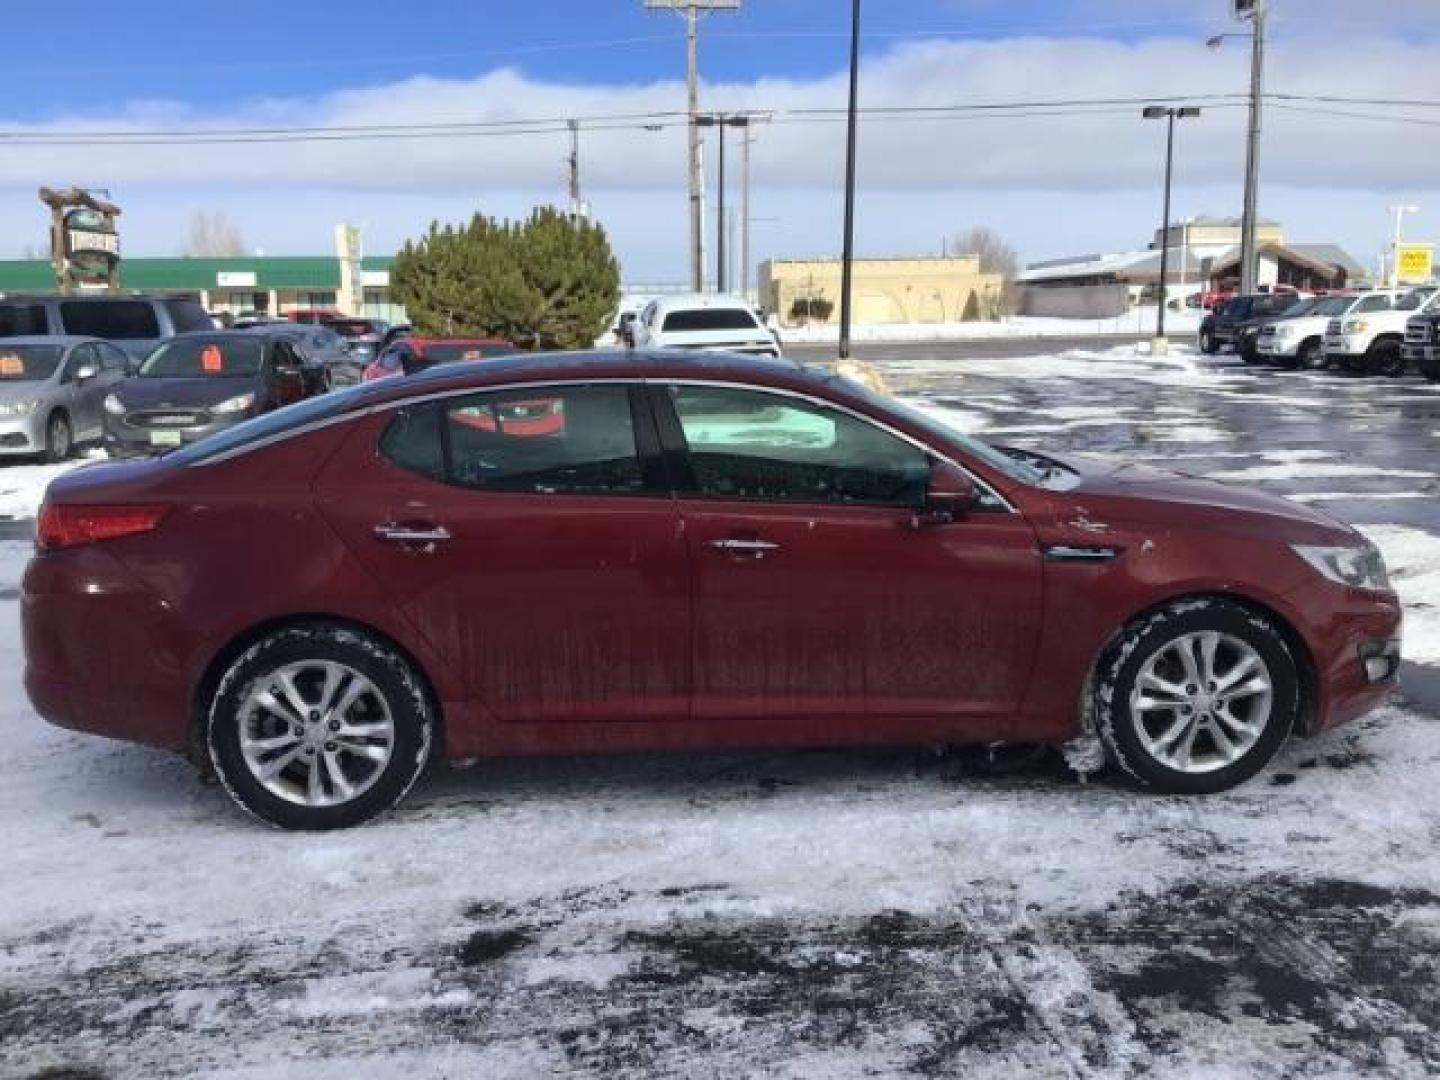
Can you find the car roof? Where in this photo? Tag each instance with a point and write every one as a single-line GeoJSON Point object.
{"type": "Point", "coordinates": [426, 342]}
{"type": "Point", "coordinates": [701, 300]}
{"type": "Point", "coordinates": [89, 298]}
{"type": "Point", "coordinates": [244, 333]}
{"type": "Point", "coordinates": [67, 340]}
{"type": "Point", "coordinates": [658, 364]}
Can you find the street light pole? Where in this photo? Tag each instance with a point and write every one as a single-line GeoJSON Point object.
{"type": "Point", "coordinates": [847, 256]}
{"type": "Point", "coordinates": [1399, 211]}
{"type": "Point", "coordinates": [1159, 112]}
{"type": "Point", "coordinates": [722, 124]}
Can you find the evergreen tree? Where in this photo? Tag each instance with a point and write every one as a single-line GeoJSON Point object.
{"type": "Point", "coordinates": [550, 282]}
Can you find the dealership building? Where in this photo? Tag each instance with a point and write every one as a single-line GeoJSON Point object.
{"type": "Point", "coordinates": [273, 285]}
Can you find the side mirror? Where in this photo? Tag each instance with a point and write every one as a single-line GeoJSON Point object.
{"type": "Point", "coordinates": [950, 495]}
{"type": "Point", "coordinates": [86, 372]}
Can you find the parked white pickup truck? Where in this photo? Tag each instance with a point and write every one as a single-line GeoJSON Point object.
{"type": "Point", "coordinates": [1369, 336]}
{"type": "Point", "coordinates": [1299, 341]}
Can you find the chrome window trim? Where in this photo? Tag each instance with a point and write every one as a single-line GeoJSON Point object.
{"type": "Point", "coordinates": [629, 380]}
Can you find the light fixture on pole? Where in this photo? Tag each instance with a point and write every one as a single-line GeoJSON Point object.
{"type": "Point", "coordinates": [1161, 112]}
{"type": "Point", "coordinates": [1399, 211]}
{"type": "Point", "coordinates": [691, 10]}
{"type": "Point", "coordinates": [1255, 12]}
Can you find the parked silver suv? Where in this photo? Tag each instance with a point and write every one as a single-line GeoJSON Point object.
{"type": "Point", "coordinates": [52, 391]}
{"type": "Point", "coordinates": [135, 323]}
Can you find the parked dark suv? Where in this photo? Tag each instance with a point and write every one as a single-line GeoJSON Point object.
{"type": "Point", "coordinates": [1224, 325]}
{"type": "Point", "coordinates": [1422, 344]}
{"type": "Point", "coordinates": [135, 323]}
{"type": "Point", "coordinates": [197, 384]}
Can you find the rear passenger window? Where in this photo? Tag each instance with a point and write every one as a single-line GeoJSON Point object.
{"type": "Point", "coordinates": [545, 440]}
{"type": "Point", "coordinates": [412, 441]}
{"type": "Point", "coordinates": [22, 320]}
{"type": "Point", "coordinates": [114, 320]}
{"type": "Point", "coordinates": [710, 319]}
{"type": "Point", "coordinates": [188, 316]}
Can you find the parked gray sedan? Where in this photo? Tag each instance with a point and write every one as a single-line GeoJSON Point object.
{"type": "Point", "coordinates": [52, 390]}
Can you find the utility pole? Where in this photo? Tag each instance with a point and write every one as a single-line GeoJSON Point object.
{"type": "Point", "coordinates": [1248, 268]}
{"type": "Point", "coordinates": [577, 202]}
{"type": "Point", "coordinates": [745, 214]}
{"type": "Point", "coordinates": [691, 10]}
{"type": "Point", "coordinates": [847, 254]}
{"type": "Point", "coordinates": [1399, 211]}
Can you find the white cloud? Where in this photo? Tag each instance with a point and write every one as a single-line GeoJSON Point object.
{"type": "Point", "coordinates": [1055, 183]}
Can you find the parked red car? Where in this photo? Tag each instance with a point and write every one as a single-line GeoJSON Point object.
{"type": "Point", "coordinates": [407, 355]}
{"type": "Point", "coordinates": [709, 551]}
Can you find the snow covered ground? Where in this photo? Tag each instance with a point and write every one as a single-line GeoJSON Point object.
{"type": "Point", "coordinates": [1138, 321]}
{"type": "Point", "coordinates": [817, 914]}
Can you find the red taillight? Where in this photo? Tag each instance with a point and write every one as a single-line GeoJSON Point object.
{"type": "Point", "coordinates": [61, 525]}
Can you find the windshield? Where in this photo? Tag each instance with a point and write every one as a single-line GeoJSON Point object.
{"type": "Point", "coordinates": [935, 420]}
{"type": "Point", "coordinates": [1333, 305]}
{"type": "Point", "coordinates": [28, 363]}
{"type": "Point", "coordinates": [266, 425]}
{"type": "Point", "coordinates": [1300, 307]}
{"type": "Point", "coordinates": [202, 358]}
{"type": "Point", "coordinates": [1414, 300]}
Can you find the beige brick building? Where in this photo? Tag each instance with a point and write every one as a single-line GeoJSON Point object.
{"type": "Point", "coordinates": [915, 290]}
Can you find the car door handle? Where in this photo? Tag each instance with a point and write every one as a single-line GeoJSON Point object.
{"type": "Point", "coordinates": [756, 549]}
{"type": "Point", "coordinates": [412, 534]}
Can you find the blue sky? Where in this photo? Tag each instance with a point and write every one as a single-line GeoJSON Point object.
{"type": "Point", "coordinates": [1052, 185]}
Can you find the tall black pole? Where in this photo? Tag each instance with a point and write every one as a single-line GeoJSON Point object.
{"type": "Point", "coordinates": [720, 213]}
{"type": "Point", "coordinates": [1165, 228]}
{"type": "Point", "coordinates": [847, 256]}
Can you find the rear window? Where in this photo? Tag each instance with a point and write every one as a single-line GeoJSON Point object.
{"type": "Point", "coordinates": [267, 425]}
{"type": "Point", "coordinates": [22, 320]}
{"type": "Point", "coordinates": [200, 358]}
{"type": "Point", "coordinates": [351, 328]}
{"type": "Point", "coordinates": [710, 319]}
{"type": "Point", "coordinates": [114, 320]}
{"type": "Point", "coordinates": [188, 316]}
{"type": "Point", "coordinates": [28, 363]}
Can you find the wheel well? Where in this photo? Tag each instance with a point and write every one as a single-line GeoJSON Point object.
{"type": "Point", "coordinates": [226, 655]}
{"type": "Point", "coordinates": [1304, 662]}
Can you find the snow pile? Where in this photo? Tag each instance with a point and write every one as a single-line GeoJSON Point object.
{"type": "Point", "coordinates": [1140, 321]}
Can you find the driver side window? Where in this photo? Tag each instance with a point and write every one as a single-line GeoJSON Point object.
{"type": "Point", "coordinates": [748, 444]}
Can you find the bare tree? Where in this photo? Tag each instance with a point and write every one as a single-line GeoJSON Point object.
{"type": "Point", "coordinates": [996, 257]}
{"type": "Point", "coordinates": [210, 235]}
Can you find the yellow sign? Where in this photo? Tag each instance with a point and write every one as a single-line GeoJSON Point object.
{"type": "Point", "coordinates": [1414, 263]}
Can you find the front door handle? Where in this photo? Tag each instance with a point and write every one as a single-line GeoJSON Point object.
{"type": "Point", "coordinates": [423, 535]}
{"type": "Point", "coordinates": [755, 549]}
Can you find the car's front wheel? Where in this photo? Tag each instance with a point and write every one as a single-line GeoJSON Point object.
{"type": "Point", "coordinates": [319, 726]}
{"type": "Point", "coordinates": [1197, 697]}
{"type": "Point", "coordinates": [59, 438]}
{"type": "Point", "coordinates": [1207, 342]}
{"type": "Point", "coordinates": [1312, 356]}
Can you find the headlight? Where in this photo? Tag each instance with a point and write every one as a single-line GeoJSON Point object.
{"type": "Point", "coordinates": [1360, 567]}
{"type": "Point", "coordinates": [18, 408]}
{"type": "Point", "coordinates": [114, 406]}
{"type": "Point", "coordinates": [1356, 326]}
{"type": "Point", "coordinates": [234, 404]}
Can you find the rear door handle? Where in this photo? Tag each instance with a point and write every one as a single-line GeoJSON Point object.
{"type": "Point", "coordinates": [756, 549]}
{"type": "Point", "coordinates": [424, 534]}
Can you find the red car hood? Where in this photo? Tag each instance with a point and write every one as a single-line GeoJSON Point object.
{"type": "Point", "coordinates": [1120, 494]}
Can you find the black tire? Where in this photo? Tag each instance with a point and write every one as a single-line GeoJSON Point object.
{"type": "Point", "coordinates": [1311, 356]}
{"type": "Point", "coordinates": [1149, 637]}
{"type": "Point", "coordinates": [1430, 369]}
{"type": "Point", "coordinates": [1207, 342]}
{"type": "Point", "coordinates": [1249, 356]}
{"type": "Point", "coordinates": [59, 438]}
{"type": "Point", "coordinates": [1386, 358]}
{"type": "Point", "coordinates": [410, 714]}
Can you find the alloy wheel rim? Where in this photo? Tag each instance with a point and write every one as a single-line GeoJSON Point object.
{"type": "Point", "coordinates": [1201, 701]}
{"type": "Point", "coordinates": [316, 733]}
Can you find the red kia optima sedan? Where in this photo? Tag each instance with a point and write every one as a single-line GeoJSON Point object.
{"type": "Point", "coordinates": [685, 551]}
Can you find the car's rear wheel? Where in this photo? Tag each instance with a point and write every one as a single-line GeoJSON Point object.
{"type": "Point", "coordinates": [1430, 369]}
{"type": "Point", "coordinates": [319, 726]}
{"type": "Point", "coordinates": [59, 438]}
{"type": "Point", "coordinates": [1197, 697]}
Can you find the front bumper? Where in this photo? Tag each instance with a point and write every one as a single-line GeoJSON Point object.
{"type": "Point", "coordinates": [123, 439]}
{"type": "Point", "coordinates": [1354, 639]}
{"type": "Point", "coordinates": [1272, 346]}
{"type": "Point", "coordinates": [1346, 347]}
{"type": "Point", "coordinates": [22, 434]}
